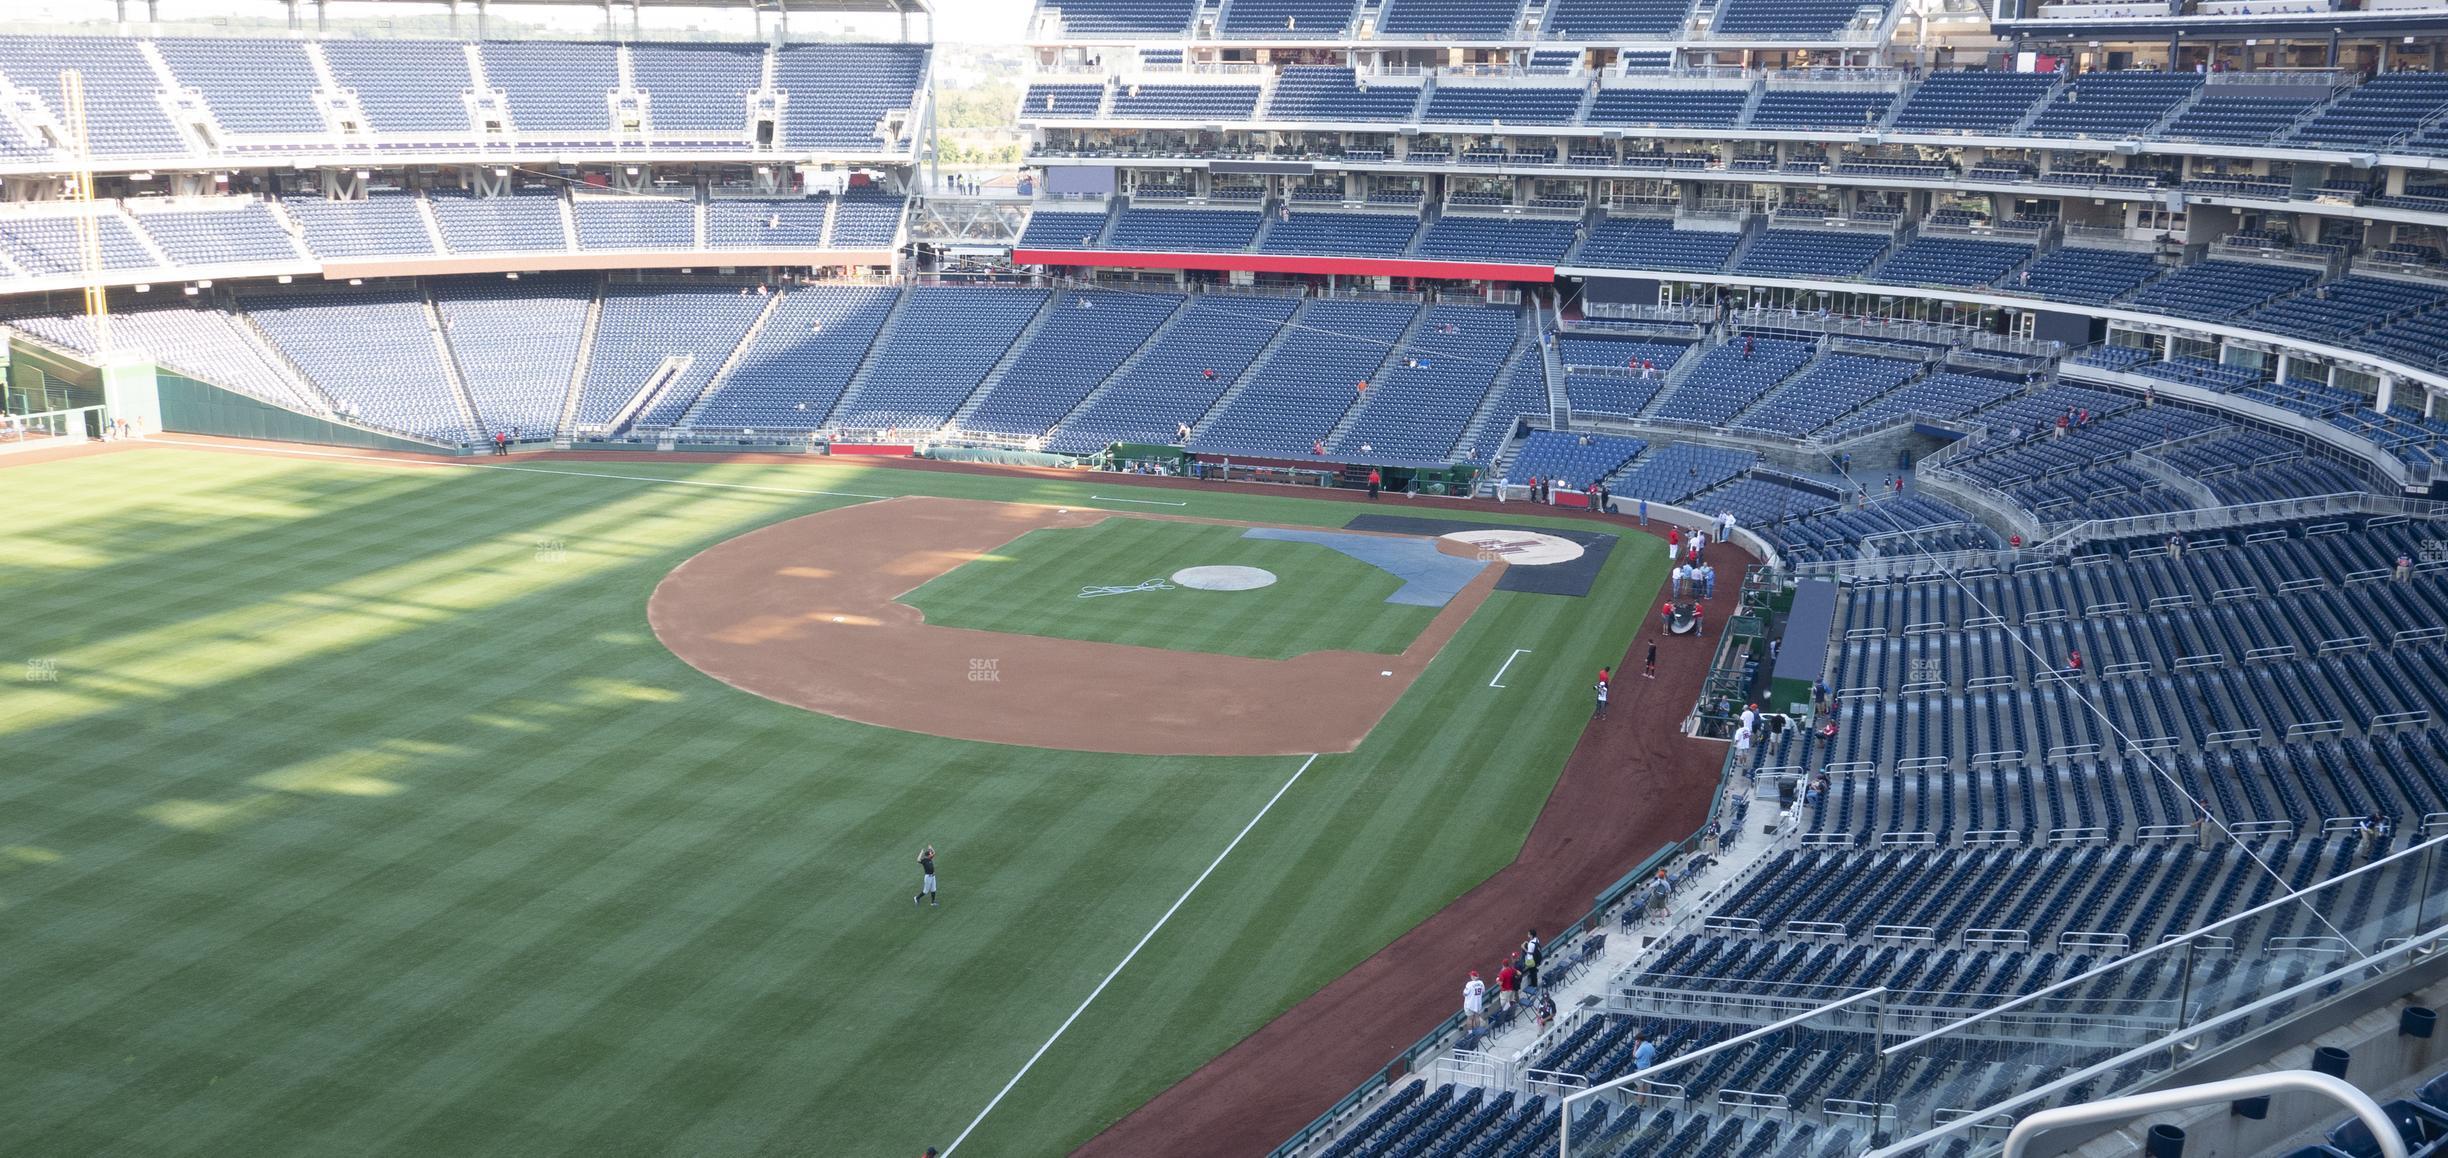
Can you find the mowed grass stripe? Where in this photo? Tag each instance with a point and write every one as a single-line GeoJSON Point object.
{"type": "Point", "coordinates": [383, 835]}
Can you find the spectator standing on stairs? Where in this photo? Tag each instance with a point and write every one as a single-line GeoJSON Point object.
{"type": "Point", "coordinates": [1474, 998]}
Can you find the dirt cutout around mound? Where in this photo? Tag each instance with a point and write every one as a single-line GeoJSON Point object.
{"type": "Point", "coordinates": [803, 613]}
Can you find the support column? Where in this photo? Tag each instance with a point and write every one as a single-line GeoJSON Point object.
{"type": "Point", "coordinates": [2388, 393]}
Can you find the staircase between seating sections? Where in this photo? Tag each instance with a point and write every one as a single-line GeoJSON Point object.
{"type": "Point", "coordinates": [1123, 369]}
{"type": "Point", "coordinates": [569, 224]}
{"type": "Point", "coordinates": [566, 428]}
{"type": "Point", "coordinates": [144, 239]}
{"type": "Point", "coordinates": [1774, 387]}
{"type": "Point", "coordinates": [1430, 214]}
{"type": "Point", "coordinates": [277, 358]}
{"type": "Point", "coordinates": [832, 216]}
{"type": "Point", "coordinates": [2021, 126]}
{"type": "Point", "coordinates": [1249, 373]}
{"type": "Point", "coordinates": [1751, 102]}
{"type": "Point", "coordinates": [2182, 107]}
{"type": "Point", "coordinates": [867, 361]}
{"type": "Point", "coordinates": [289, 225]}
{"type": "Point", "coordinates": [1525, 341]}
{"type": "Point", "coordinates": [1362, 398]}
{"type": "Point", "coordinates": [450, 364]}
{"type": "Point", "coordinates": [1551, 359]}
{"type": "Point", "coordinates": [178, 100]}
{"type": "Point", "coordinates": [433, 224]}
{"type": "Point", "coordinates": [1003, 366]}
{"type": "Point", "coordinates": [722, 374]}
{"type": "Point", "coordinates": [1674, 380]}
{"type": "Point", "coordinates": [698, 217]}
{"type": "Point", "coordinates": [653, 388]}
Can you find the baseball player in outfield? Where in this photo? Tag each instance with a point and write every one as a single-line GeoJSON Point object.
{"type": "Point", "coordinates": [926, 876]}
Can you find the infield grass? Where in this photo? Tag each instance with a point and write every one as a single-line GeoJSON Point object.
{"type": "Point", "coordinates": [1322, 599]}
{"type": "Point", "coordinates": [351, 808]}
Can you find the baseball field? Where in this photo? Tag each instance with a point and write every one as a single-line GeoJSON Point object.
{"type": "Point", "coordinates": [355, 806]}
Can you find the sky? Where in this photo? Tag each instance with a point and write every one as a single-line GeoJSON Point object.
{"type": "Point", "coordinates": [977, 21]}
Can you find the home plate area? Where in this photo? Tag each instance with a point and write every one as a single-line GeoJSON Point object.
{"type": "Point", "coordinates": [1544, 561]}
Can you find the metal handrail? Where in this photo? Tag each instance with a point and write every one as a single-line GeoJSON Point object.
{"type": "Point", "coordinates": [2383, 1131]}
{"type": "Point", "coordinates": [1564, 1135]}
{"type": "Point", "coordinates": [2166, 946]}
{"type": "Point", "coordinates": [2183, 1038]}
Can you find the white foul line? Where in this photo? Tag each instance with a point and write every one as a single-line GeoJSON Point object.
{"type": "Point", "coordinates": [1126, 957]}
{"type": "Point", "coordinates": [674, 482]}
{"type": "Point", "coordinates": [1517, 654]}
{"type": "Point", "coordinates": [1142, 502]}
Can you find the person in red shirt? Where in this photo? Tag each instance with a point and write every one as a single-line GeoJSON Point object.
{"type": "Point", "coordinates": [2074, 660]}
{"type": "Point", "coordinates": [1508, 983]}
{"type": "Point", "coordinates": [1375, 480]}
{"type": "Point", "coordinates": [1674, 543]}
{"type": "Point", "coordinates": [1666, 615]}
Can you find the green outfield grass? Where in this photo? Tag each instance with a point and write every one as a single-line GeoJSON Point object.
{"type": "Point", "coordinates": [1322, 600]}
{"type": "Point", "coordinates": [351, 808]}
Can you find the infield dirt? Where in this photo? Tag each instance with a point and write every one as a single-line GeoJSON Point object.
{"type": "Point", "coordinates": [803, 612]}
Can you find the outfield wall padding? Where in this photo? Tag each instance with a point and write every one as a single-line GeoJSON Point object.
{"type": "Point", "coordinates": [192, 407]}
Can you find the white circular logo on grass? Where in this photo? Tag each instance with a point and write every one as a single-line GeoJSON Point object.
{"type": "Point", "coordinates": [1520, 548]}
{"type": "Point", "coordinates": [1224, 578]}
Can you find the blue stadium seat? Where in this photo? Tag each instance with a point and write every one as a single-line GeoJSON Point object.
{"type": "Point", "coordinates": [1319, 93]}
{"type": "Point", "coordinates": [253, 86]}
{"type": "Point", "coordinates": [1450, 19]}
{"type": "Point", "coordinates": [1601, 20]}
{"type": "Point", "coordinates": [1251, 19]}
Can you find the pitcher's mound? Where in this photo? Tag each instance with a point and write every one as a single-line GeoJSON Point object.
{"type": "Point", "coordinates": [1224, 578]}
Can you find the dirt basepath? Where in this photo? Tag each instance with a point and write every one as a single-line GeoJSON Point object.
{"type": "Point", "coordinates": [803, 612]}
{"type": "Point", "coordinates": [1633, 785]}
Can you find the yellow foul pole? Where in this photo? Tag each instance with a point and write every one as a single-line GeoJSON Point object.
{"type": "Point", "coordinates": [89, 229]}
